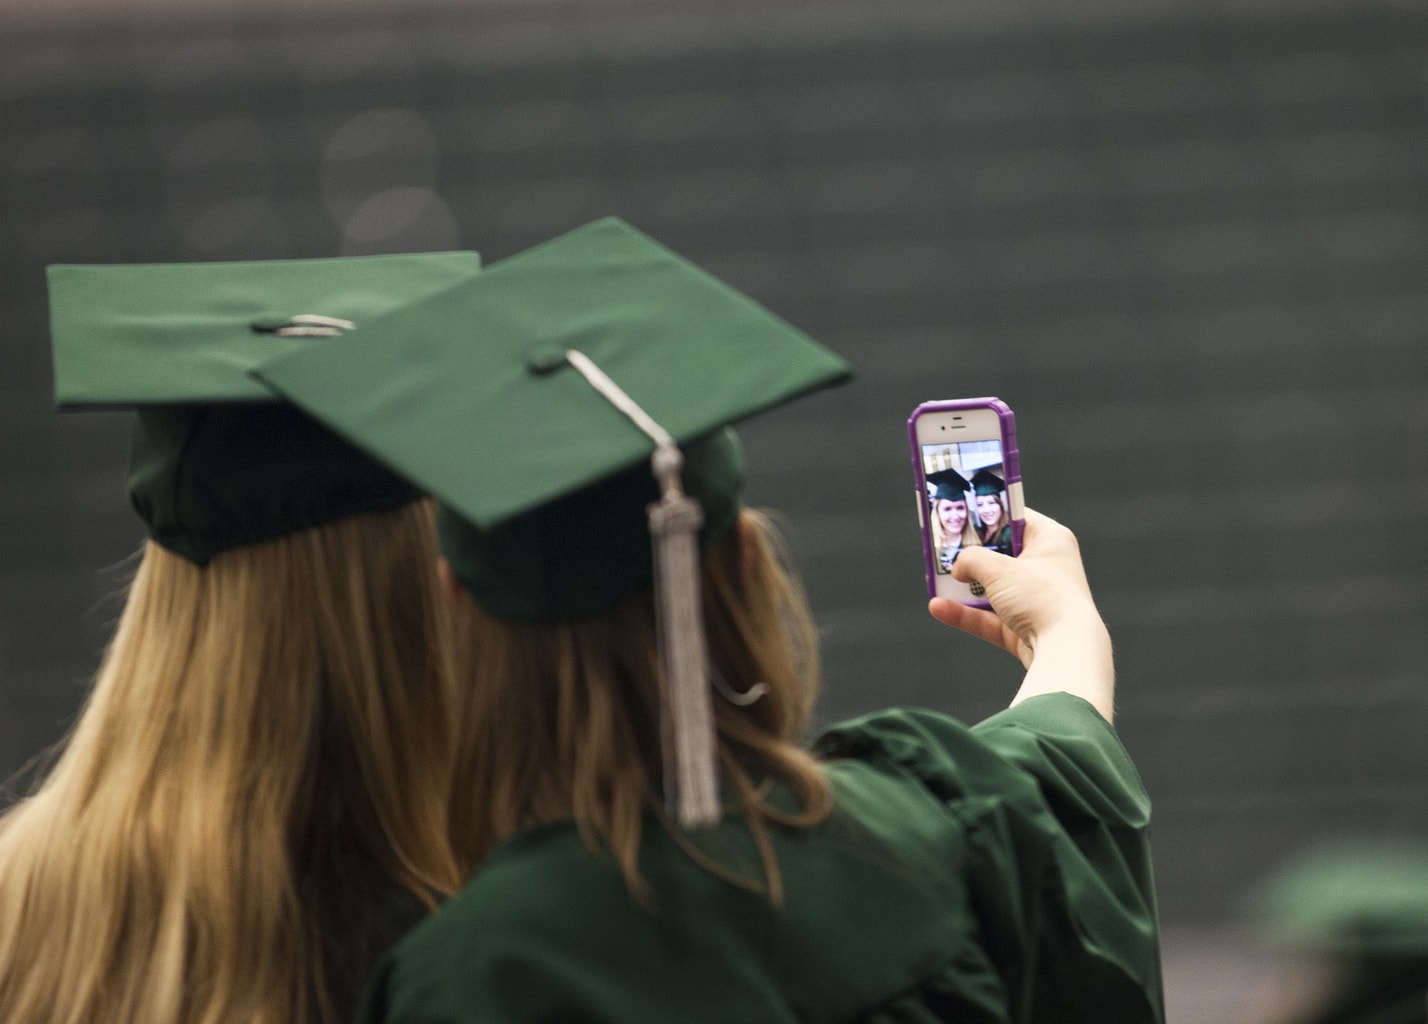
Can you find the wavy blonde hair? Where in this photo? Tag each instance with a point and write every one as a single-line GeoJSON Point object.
{"type": "Point", "coordinates": [265, 735]}
{"type": "Point", "coordinates": [564, 719]}
{"type": "Point", "coordinates": [970, 537]}
{"type": "Point", "coordinates": [989, 534]}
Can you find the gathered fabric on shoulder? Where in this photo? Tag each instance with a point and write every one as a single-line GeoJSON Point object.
{"type": "Point", "coordinates": [994, 874]}
{"type": "Point", "coordinates": [1057, 822]}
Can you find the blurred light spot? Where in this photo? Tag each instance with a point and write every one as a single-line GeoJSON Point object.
{"type": "Point", "coordinates": [400, 219]}
{"type": "Point", "coordinates": [381, 133]}
{"type": "Point", "coordinates": [375, 151]}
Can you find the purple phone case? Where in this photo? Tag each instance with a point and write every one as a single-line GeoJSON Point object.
{"type": "Point", "coordinates": [1011, 463]}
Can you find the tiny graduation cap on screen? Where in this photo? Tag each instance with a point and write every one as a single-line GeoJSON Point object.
{"type": "Point", "coordinates": [948, 485]}
{"type": "Point", "coordinates": [216, 461]}
{"type": "Point", "coordinates": [985, 482]}
{"type": "Point", "coordinates": [529, 400]}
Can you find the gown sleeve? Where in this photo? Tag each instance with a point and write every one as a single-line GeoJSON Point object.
{"type": "Point", "coordinates": [1057, 825]}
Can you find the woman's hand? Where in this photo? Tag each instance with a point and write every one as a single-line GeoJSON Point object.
{"type": "Point", "coordinates": [1045, 585]}
{"type": "Point", "coordinates": [1042, 612]}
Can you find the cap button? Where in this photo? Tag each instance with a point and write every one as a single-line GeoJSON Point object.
{"type": "Point", "coordinates": [544, 359]}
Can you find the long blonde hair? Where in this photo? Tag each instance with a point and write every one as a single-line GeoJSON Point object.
{"type": "Point", "coordinates": [564, 718]}
{"type": "Point", "coordinates": [989, 534]}
{"type": "Point", "coordinates": [265, 735]}
{"type": "Point", "coordinates": [970, 537]}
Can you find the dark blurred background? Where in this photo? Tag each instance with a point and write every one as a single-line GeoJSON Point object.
{"type": "Point", "coordinates": [1187, 246]}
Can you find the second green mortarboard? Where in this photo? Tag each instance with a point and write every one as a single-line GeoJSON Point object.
{"type": "Point", "coordinates": [948, 485]}
{"type": "Point", "coordinates": [984, 482]}
{"type": "Point", "coordinates": [468, 392]}
{"type": "Point", "coordinates": [216, 461]}
{"type": "Point", "coordinates": [533, 396]}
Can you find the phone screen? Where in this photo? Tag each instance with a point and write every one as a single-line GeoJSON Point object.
{"type": "Point", "coordinates": [968, 467]}
{"type": "Point", "coordinates": [967, 501]}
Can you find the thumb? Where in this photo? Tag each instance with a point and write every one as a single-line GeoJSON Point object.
{"type": "Point", "coordinates": [978, 564]}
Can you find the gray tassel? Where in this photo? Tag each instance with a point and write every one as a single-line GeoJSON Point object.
{"type": "Point", "coordinates": [690, 761]}
{"type": "Point", "coordinates": [691, 766]}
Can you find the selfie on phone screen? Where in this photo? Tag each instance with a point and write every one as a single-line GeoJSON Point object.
{"type": "Point", "coordinates": [967, 499]}
{"type": "Point", "coordinates": [969, 488]}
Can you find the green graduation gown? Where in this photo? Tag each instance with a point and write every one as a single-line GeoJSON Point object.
{"type": "Point", "coordinates": [993, 874]}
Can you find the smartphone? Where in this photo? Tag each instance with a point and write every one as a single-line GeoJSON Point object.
{"type": "Point", "coordinates": [969, 492]}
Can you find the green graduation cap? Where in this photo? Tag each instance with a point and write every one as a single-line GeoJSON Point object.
{"type": "Point", "coordinates": [216, 461]}
{"type": "Point", "coordinates": [469, 393]}
{"type": "Point", "coordinates": [553, 398]}
{"type": "Point", "coordinates": [1363, 897]}
{"type": "Point", "coordinates": [985, 482]}
{"type": "Point", "coordinates": [948, 485]}
{"type": "Point", "coordinates": [1363, 904]}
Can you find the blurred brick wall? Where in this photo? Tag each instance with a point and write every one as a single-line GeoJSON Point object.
{"type": "Point", "coordinates": [1192, 254]}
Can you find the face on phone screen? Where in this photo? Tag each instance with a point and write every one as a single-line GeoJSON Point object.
{"type": "Point", "coordinates": [967, 502]}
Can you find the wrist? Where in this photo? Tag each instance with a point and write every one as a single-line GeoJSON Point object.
{"type": "Point", "coordinates": [1074, 655]}
{"type": "Point", "coordinates": [1082, 627]}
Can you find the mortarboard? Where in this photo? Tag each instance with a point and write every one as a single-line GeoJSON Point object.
{"type": "Point", "coordinates": [529, 400]}
{"type": "Point", "coordinates": [1354, 896]}
{"type": "Point", "coordinates": [216, 461]}
{"type": "Point", "coordinates": [948, 485]}
{"type": "Point", "coordinates": [984, 482]}
{"type": "Point", "coordinates": [1364, 904]}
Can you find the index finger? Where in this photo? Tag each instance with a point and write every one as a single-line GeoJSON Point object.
{"type": "Point", "coordinates": [979, 622]}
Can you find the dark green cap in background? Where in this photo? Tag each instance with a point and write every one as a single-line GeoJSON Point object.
{"type": "Point", "coordinates": [468, 393]}
{"type": "Point", "coordinates": [1358, 896]}
{"type": "Point", "coordinates": [217, 462]}
{"type": "Point", "coordinates": [985, 482]}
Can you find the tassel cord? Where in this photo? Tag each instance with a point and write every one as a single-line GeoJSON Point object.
{"type": "Point", "coordinates": [691, 775]}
